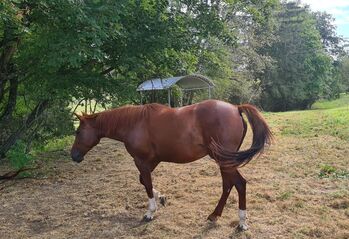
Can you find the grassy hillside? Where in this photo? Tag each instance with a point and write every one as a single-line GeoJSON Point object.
{"type": "Point", "coordinates": [343, 101]}
{"type": "Point", "coordinates": [327, 118]}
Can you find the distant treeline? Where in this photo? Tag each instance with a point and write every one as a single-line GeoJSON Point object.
{"type": "Point", "coordinates": [278, 55]}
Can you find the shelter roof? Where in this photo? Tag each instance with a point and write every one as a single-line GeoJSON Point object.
{"type": "Point", "coordinates": [188, 82]}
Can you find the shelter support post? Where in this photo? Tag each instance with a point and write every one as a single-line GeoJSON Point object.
{"type": "Point", "coordinates": [169, 97]}
{"type": "Point", "coordinates": [182, 93]}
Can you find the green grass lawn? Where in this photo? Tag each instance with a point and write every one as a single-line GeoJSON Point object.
{"type": "Point", "coordinates": [327, 118]}
{"type": "Point", "coordinates": [343, 101]}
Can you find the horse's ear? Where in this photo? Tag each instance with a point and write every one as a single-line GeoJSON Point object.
{"type": "Point", "coordinates": [83, 113]}
{"type": "Point", "coordinates": [78, 116]}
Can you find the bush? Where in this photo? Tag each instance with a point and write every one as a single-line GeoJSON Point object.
{"type": "Point", "coordinates": [18, 157]}
{"type": "Point", "coordinates": [58, 144]}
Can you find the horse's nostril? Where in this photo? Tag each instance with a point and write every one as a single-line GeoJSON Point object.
{"type": "Point", "coordinates": [76, 155]}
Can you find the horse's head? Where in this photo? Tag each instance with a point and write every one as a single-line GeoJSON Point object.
{"type": "Point", "coordinates": [87, 136]}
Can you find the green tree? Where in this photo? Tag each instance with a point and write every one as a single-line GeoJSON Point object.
{"type": "Point", "coordinates": [327, 29]}
{"type": "Point", "coordinates": [249, 61]}
{"type": "Point", "coordinates": [303, 69]}
{"type": "Point", "coordinates": [235, 69]}
{"type": "Point", "coordinates": [53, 52]}
{"type": "Point", "coordinates": [343, 72]}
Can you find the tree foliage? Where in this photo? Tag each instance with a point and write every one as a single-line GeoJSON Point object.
{"type": "Point", "coordinates": [329, 38]}
{"type": "Point", "coordinates": [52, 53]}
{"type": "Point", "coordinates": [302, 70]}
{"type": "Point", "coordinates": [343, 72]}
{"type": "Point", "coordinates": [56, 51]}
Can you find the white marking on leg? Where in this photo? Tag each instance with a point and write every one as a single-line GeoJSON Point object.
{"type": "Point", "coordinates": [242, 217]}
{"type": "Point", "coordinates": [151, 209]}
{"type": "Point", "coordinates": [156, 194]}
{"type": "Point", "coordinates": [152, 205]}
{"type": "Point", "coordinates": [160, 198]}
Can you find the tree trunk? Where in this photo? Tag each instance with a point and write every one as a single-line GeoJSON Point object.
{"type": "Point", "coordinates": [35, 114]}
{"type": "Point", "coordinates": [5, 57]}
{"type": "Point", "coordinates": [11, 103]}
{"type": "Point", "coordinates": [2, 85]}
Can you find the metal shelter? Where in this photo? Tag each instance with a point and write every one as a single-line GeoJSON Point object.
{"type": "Point", "coordinates": [185, 83]}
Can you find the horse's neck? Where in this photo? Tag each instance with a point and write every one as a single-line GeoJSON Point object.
{"type": "Point", "coordinates": [116, 124]}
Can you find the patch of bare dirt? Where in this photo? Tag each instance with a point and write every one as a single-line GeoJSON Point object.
{"type": "Point", "coordinates": [102, 197]}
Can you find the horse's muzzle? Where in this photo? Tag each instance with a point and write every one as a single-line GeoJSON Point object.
{"type": "Point", "coordinates": [76, 155]}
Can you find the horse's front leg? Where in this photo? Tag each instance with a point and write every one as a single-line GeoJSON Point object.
{"type": "Point", "coordinates": [152, 207]}
{"type": "Point", "coordinates": [159, 197]}
{"type": "Point", "coordinates": [145, 168]}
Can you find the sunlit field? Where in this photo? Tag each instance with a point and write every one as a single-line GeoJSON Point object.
{"type": "Point", "coordinates": [298, 189]}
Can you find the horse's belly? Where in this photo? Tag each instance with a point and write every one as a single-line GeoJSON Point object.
{"type": "Point", "coordinates": [186, 155]}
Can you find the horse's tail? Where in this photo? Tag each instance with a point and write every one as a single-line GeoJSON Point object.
{"type": "Point", "coordinates": [261, 136]}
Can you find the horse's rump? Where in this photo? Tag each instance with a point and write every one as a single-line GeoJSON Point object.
{"type": "Point", "coordinates": [261, 136]}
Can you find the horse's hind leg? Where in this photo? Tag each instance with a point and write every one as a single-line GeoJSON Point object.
{"type": "Point", "coordinates": [240, 184]}
{"type": "Point", "coordinates": [232, 177]}
{"type": "Point", "coordinates": [227, 184]}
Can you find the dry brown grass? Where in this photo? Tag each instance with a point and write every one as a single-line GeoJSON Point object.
{"type": "Point", "coordinates": [102, 198]}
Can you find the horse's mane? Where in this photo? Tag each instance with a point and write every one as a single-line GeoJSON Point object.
{"type": "Point", "coordinates": [125, 116]}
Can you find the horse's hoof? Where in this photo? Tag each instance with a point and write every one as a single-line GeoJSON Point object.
{"type": "Point", "coordinates": [146, 218]}
{"type": "Point", "coordinates": [163, 200]}
{"type": "Point", "coordinates": [242, 227]}
{"type": "Point", "coordinates": [212, 218]}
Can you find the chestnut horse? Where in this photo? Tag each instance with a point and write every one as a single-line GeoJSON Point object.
{"type": "Point", "coordinates": [155, 133]}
